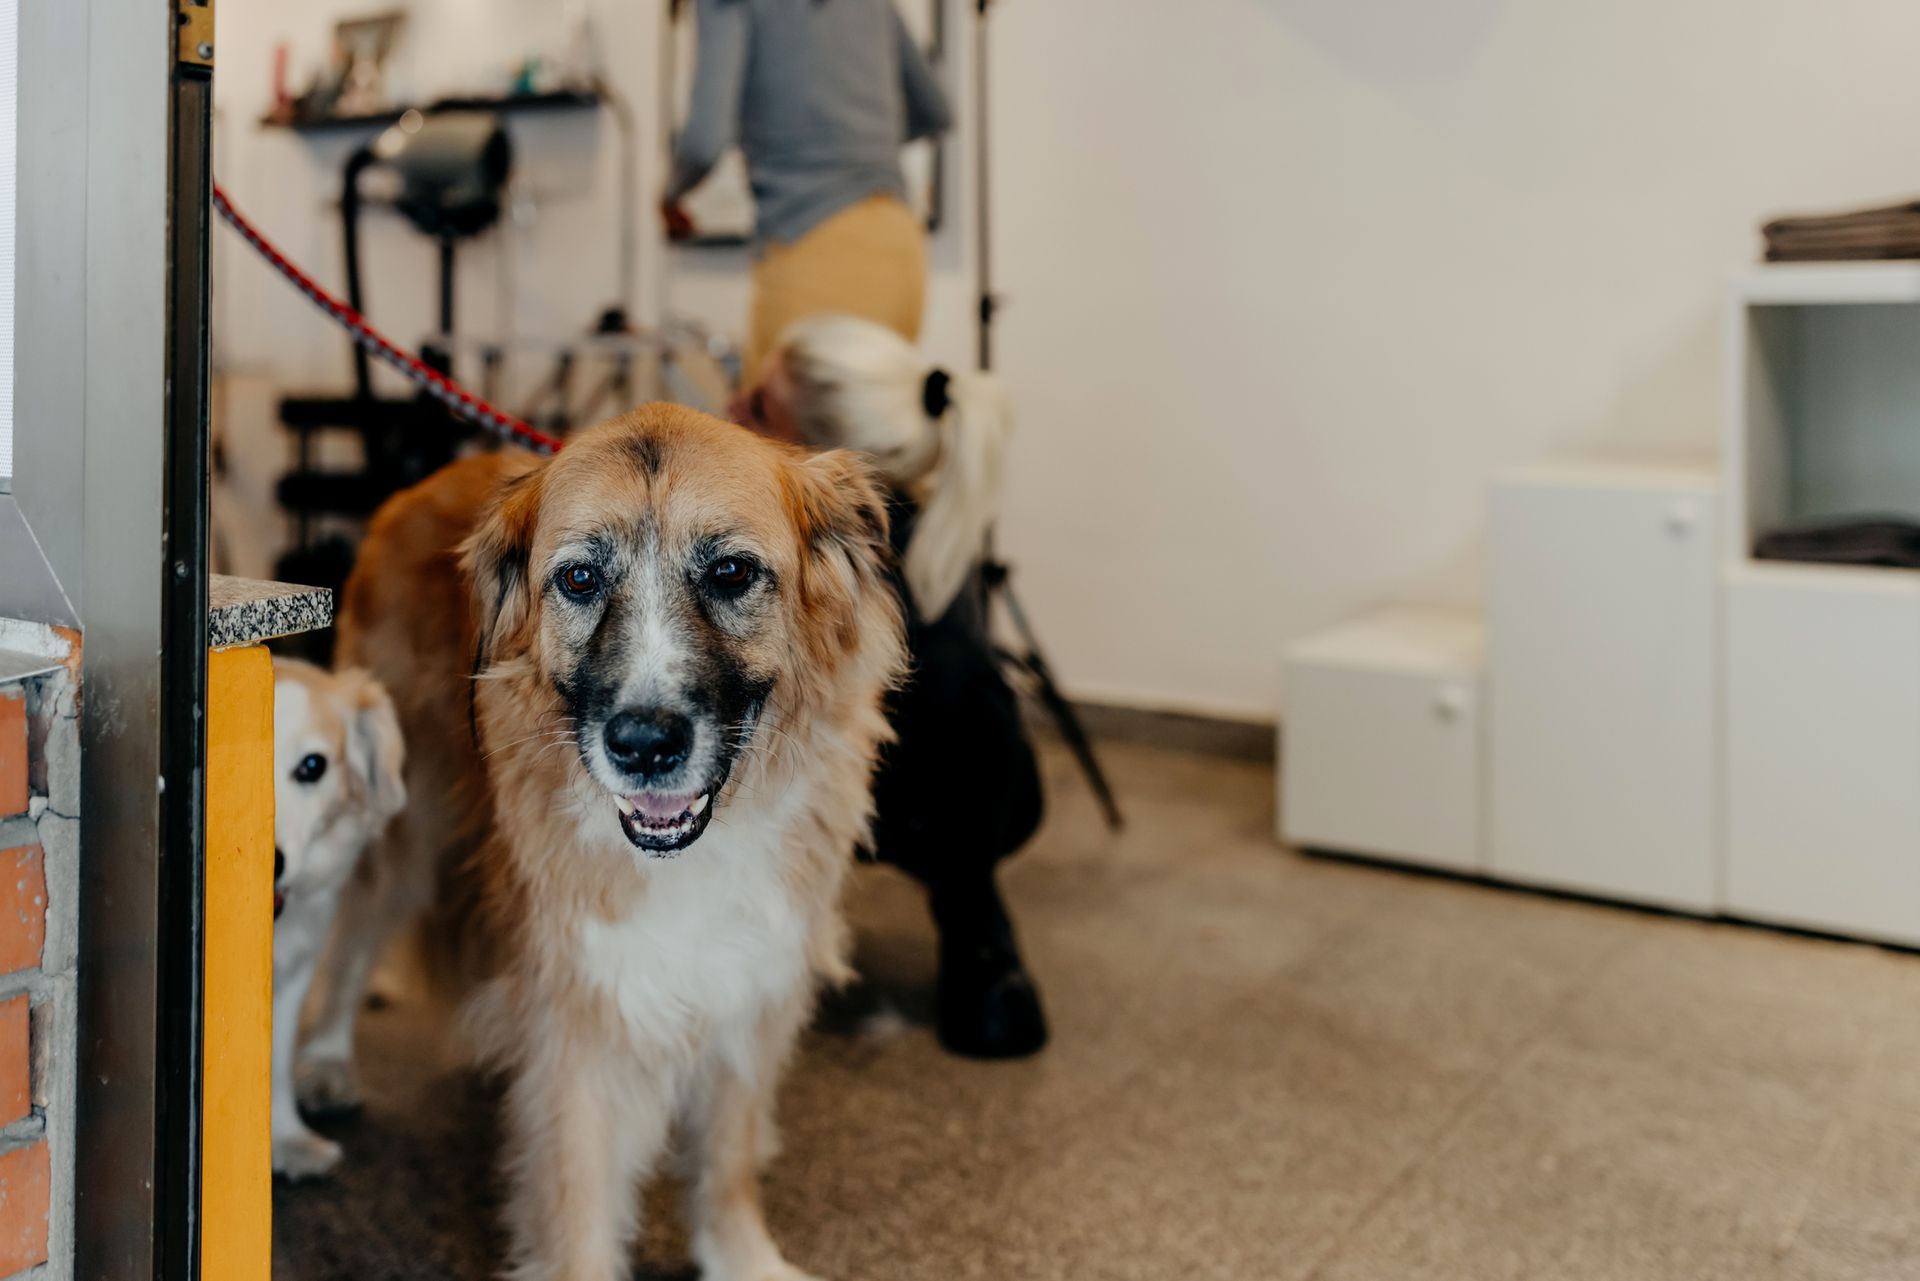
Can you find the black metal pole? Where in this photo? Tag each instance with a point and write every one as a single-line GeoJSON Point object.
{"type": "Point", "coordinates": [982, 204]}
{"type": "Point", "coordinates": [183, 683]}
{"type": "Point", "coordinates": [446, 286]}
{"type": "Point", "coordinates": [996, 577]}
{"type": "Point", "coordinates": [350, 249]}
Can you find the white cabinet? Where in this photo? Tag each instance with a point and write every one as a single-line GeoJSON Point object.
{"type": "Point", "coordinates": [1822, 663]}
{"type": "Point", "coordinates": [1823, 748]}
{"type": "Point", "coordinates": [1382, 751]}
{"type": "Point", "coordinates": [1602, 623]}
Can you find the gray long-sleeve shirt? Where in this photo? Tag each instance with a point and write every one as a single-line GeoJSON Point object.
{"type": "Point", "coordinates": [820, 94]}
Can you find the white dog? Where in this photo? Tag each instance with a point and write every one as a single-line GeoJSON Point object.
{"type": "Point", "coordinates": [337, 760]}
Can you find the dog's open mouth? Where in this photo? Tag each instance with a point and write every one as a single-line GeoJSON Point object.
{"type": "Point", "coordinates": [663, 823]}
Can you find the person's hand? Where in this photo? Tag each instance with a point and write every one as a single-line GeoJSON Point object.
{"type": "Point", "coordinates": [679, 223]}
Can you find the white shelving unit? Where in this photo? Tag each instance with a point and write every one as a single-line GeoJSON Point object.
{"type": "Point", "coordinates": [1828, 284]}
{"type": "Point", "coordinates": [1822, 400]}
{"type": "Point", "coordinates": [1660, 717]}
{"type": "Point", "coordinates": [1821, 707]}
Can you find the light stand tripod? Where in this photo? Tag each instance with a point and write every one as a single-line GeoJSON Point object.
{"type": "Point", "coordinates": [995, 576]}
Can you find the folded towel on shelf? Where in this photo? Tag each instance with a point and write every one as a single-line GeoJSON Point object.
{"type": "Point", "coordinates": [1891, 541]}
{"type": "Point", "coordinates": [1887, 231]}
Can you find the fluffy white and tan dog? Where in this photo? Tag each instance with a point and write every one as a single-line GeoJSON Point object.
{"type": "Point", "coordinates": [643, 683]}
{"type": "Point", "coordinates": [337, 762]}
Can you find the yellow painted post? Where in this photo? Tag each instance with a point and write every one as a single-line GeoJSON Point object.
{"type": "Point", "coordinates": [236, 1172]}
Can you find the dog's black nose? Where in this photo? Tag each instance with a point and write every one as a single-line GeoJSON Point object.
{"type": "Point", "coordinates": [279, 865]}
{"type": "Point", "coordinates": [649, 744]}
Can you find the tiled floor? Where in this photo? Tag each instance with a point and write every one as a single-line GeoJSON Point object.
{"type": "Point", "coordinates": [1267, 1066]}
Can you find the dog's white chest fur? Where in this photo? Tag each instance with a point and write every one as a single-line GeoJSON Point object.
{"type": "Point", "coordinates": [716, 939]}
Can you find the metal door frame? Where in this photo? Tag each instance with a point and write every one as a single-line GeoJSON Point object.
{"type": "Point", "coordinates": [110, 489]}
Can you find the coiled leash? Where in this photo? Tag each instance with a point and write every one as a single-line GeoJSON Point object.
{"type": "Point", "coordinates": [456, 398]}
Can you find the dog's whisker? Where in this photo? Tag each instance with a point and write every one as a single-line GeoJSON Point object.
{"type": "Point", "coordinates": [528, 738]}
{"type": "Point", "coordinates": [551, 739]}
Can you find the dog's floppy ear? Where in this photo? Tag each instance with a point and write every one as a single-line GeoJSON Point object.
{"type": "Point", "coordinates": [839, 509]}
{"type": "Point", "coordinates": [375, 750]}
{"type": "Point", "coordinates": [842, 512]}
{"type": "Point", "coordinates": [494, 558]}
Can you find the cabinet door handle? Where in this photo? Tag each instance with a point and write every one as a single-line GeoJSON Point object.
{"type": "Point", "coordinates": [1682, 517]}
{"type": "Point", "coordinates": [1450, 703]}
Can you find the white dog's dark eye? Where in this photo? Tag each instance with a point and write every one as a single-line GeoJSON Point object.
{"type": "Point", "coordinates": [731, 575]}
{"type": "Point", "coordinates": [310, 768]}
{"type": "Point", "coordinates": [579, 581]}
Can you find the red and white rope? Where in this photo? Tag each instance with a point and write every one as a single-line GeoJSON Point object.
{"type": "Point", "coordinates": [436, 384]}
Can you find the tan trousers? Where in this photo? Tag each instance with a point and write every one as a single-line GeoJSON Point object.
{"type": "Point", "coordinates": [868, 260]}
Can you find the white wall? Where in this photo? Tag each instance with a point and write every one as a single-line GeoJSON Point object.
{"type": "Point", "coordinates": [1290, 277]}
{"type": "Point", "coordinates": [1285, 278]}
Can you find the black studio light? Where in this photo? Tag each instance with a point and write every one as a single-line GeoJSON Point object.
{"type": "Point", "coordinates": [452, 167]}
{"type": "Point", "coordinates": [445, 172]}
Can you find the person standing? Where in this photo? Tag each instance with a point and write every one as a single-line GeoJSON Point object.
{"type": "Point", "coordinates": [821, 95]}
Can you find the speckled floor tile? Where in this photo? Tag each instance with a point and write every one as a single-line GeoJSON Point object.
{"type": "Point", "coordinates": [1576, 1164]}
{"type": "Point", "coordinates": [1858, 1222]}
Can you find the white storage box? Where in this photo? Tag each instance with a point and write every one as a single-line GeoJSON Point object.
{"type": "Point", "coordinates": [1381, 754]}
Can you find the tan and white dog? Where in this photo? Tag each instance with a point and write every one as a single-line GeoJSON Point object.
{"type": "Point", "coordinates": [643, 685]}
{"type": "Point", "coordinates": [337, 762]}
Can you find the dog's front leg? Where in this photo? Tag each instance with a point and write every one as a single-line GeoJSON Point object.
{"type": "Point", "coordinates": [584, 1123]}
{"type": "Point", "coordinates": [298, 1153]}
{"type": "Point", "coordinates": [371, 909]}
{"type": "Point", "coordinates": [731, 1123]}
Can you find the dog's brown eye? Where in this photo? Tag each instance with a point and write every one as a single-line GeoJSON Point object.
{"type": "Point", "coordinates": [731, 575]}
{"type": "Point", "coordinates": [580, 580]}
{"type": "Point", "coordinates": [310, 768]}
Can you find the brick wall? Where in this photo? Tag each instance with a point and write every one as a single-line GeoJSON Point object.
{"type": "Point", "coordinates": [39, 873]}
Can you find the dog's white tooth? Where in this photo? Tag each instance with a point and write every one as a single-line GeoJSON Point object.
{"type": "Point", "coordinates": [695, 808]}
{"type": "Point", "coordinates": [627, 807]}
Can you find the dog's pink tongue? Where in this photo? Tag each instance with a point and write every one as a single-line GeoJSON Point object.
{"type": "Point", "coordinates": [654, 805]}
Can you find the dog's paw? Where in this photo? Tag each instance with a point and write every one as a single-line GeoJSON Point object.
{"type": "Point", "coordinates": [326, 1087]}
{"type": "Point", "coordinates": [304, 1156]}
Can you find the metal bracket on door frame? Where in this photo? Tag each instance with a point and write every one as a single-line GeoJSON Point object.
{"type": "Point", "coordinates": [196, 31]}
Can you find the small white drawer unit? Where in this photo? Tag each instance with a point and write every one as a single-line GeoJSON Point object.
{"type": "Point", "coordinates": [1381, 753]}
